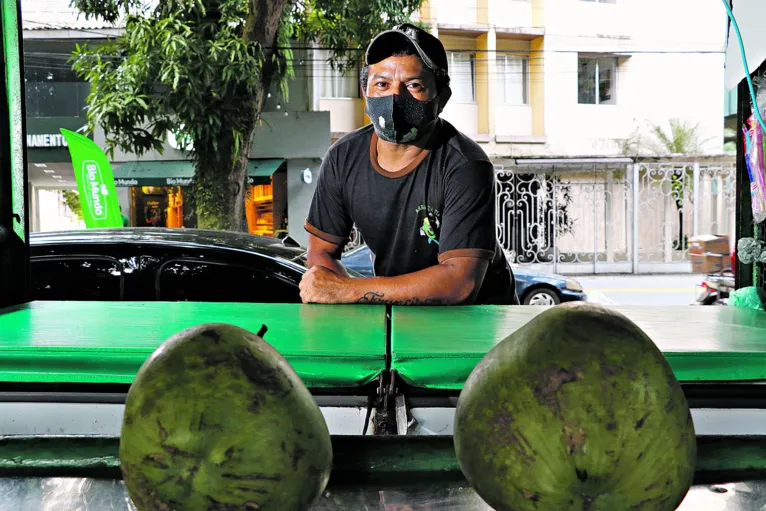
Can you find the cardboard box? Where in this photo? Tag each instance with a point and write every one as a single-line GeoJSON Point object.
{"type": "Point", "coordinates": [709, 244]}
{"type": "Point", "coordinates": [709, 263]}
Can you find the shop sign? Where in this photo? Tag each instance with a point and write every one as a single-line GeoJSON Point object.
{"type": "Point", "coordinates": [179, 181]}
{"type": "Point", "coordinates": [45, 133]}
{"type": "Point", "coordinates": [46, 140]}
{"type": "Point", "coordinates": [154, 181]}
{"type": "Point", "coordinates": [96, 188]}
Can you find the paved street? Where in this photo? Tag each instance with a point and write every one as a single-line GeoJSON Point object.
{"type": "Point", "coordinates": [642, 289]}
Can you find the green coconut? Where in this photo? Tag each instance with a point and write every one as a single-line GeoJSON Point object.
{"type": "Point", "coordinates": [216, 419]}
{"type": "Point", "coordinates": [578, 409]}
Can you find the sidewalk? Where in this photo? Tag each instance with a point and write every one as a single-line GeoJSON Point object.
{"type": "Point", "coordinates": [665, 290]}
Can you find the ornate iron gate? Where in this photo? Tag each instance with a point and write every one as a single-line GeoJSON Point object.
{"type": "Point", "coordinates": [601, 218]}
{"type": "Point", "coordinates": [598, 218]}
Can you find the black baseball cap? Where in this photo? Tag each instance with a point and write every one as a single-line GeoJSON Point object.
{"type": "Point", "coordinates": [430, 49]}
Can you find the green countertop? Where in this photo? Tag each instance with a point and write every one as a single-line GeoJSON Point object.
{"type": "Point", "coordinates": [438, 347]}
{"type": "Point", "coordinates": [345, 346]}
{"type": "Point", "coordinates": [106, 342]}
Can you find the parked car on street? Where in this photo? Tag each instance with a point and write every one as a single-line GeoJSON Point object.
{"type": "Point", "coordinates": [532, 287]}
{"type": "Point", "coordinates": [159, 264]}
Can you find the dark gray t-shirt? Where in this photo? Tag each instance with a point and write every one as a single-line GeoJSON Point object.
{"type": "Point", "coordinates": [440, 206]}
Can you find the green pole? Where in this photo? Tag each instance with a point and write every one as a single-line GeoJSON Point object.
{"type": "Point", "coordinates": [9, 22]}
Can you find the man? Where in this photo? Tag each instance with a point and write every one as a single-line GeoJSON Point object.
{"type": "Point", "coordinates": [421, 193]}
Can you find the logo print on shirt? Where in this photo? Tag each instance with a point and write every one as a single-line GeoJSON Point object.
{"type": "Point", "coordinates": [430, 225]}
{"type": "Point", "coordinates": [428, 231]}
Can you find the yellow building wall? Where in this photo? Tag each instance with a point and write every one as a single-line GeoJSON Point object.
{"type": "Point", "coordinates": [537, 86]}
{"type": "Point", "coordinates": [482, 12]}
{"type": "Point", "coordinates": [538, 13]}
{"type": "Point", "coordinates": [515, 46]}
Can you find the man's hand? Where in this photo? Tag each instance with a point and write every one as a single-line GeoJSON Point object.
{"type": "Point", "coordinates": [320, 285]}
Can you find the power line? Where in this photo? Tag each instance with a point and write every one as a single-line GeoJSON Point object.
{"type": "Point", "coordinates": [529, 55]}
{"type": "Point", "coordinates": [106, 35]}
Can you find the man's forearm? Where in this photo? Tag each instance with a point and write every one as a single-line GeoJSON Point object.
{"type": "Point", "coordinates": [328, 261]}
{"type": "Point", "coordinates": [443, 284]}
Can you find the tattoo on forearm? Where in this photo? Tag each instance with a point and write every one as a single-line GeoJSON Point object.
{"type": "Point", "coordinates": [379, 299]}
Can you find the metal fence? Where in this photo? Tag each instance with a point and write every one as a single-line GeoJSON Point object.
{"type": "Point", "coordinates": [602, 218]}
{"type": "Point", "coordinates": [597, 218]}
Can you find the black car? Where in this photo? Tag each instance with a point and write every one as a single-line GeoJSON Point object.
{"type": "Point", "coordinates": [156, 264]}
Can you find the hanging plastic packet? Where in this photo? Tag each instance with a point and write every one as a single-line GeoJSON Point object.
{"type": "Point", "coordinates": [755, 161]}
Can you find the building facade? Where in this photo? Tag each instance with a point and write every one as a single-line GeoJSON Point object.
{"type": "Point", "coordinates": [567, 77]}
{"type": "Point", "coordinates": [561, 94]}
{"type": "Point", "coordinates": [286, 153]}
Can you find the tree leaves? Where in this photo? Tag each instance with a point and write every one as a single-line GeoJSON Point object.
{"type": "Point", "coordinates": [682, 138]}
{"type": "Point", "coordinates": [345, 27]}
{"type": "Point", "coordinates": [200, 68]}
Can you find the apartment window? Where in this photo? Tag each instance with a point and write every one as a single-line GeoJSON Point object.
{"type": "Point", "coordinates": [597, 81]}
{"type": "Point", "coordinates": [462, 72]}
{"type": "Point", "coordinates": [335, 84]}
{"type": "Point", "coordinates": [513, 73]}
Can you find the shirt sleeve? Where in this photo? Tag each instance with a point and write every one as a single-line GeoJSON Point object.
{"type": "Point", "coordinates": [468, 221]}
{"type": "Point", "coordinates": [328, 217]}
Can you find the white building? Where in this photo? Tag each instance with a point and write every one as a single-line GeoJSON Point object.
{"type": "Point", "coordinates": [567, 77]}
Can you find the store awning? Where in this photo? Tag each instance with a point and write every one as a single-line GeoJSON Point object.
{"type": "Point", "coordinates": [259, 171]}
{"type": "Point", "coordinates": [154, 173]}
{"type": "Point", "coordinates": [181, 172]}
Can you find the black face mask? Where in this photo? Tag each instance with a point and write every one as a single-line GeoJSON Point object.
{"type": "Point", "coordinates": [401, 119]}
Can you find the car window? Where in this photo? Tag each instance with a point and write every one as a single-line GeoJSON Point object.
{"type": "Point", "coordinates": [187, 280]}
{"type": "Point", "coordinates": [76, 278]}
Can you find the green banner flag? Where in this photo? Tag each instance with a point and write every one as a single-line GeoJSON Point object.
{"type": "Point", "coordinates": [95, 182]}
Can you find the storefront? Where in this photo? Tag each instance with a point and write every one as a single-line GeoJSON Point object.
{"type": "Point", "coordinates": [50, 172]}
{"type": "Point", "coordinates": [286, 153]}
{"type": "Point", "coordinates": [285, 157]}
{"type": "Point", "coordinates": [157, 192]}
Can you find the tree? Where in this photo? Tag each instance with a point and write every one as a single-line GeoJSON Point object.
{"type": "Point", "coordinates": [202, 68]}
{"type": "Point", "coordinates": [72, 201]}
{"type": "Point", "coordinates": [683, 139]}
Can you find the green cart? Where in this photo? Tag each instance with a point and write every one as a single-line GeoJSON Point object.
{"type": "Point", "coordinates": [387, 379]}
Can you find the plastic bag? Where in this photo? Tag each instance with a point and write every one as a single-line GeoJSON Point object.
{"type": "Point", "coordinates": [746, 298]}
{"type": "Point", "coordinates": [755, 160]}
{"type": "Point", "coordinates": [750, 250]}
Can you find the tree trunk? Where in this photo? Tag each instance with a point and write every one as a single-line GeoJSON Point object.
{"type": "Point", "coordinates": [221, 203]}
{"type": "Point", "coordinates": [210, 197]}
{"type": "Point", "coordinates": [261, 26]}
{"type": "Point", "coordinates": [237, 181]}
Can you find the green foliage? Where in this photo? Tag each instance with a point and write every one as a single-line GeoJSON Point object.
{"type": "Point", "coordinates": [730, 141]}
{"type": "Point", "coordinates": [72, 201]}
{"type": "Point", "coordinates": [682, 138]}
{"type": "Point", "coordinates": [181, 64]}
{"type": "Point", "coordinates": [343, 26]}
{"type": "Point", "coordinates": [201, 68]}
{"type": "Point", "coordinates": [632, 145]}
